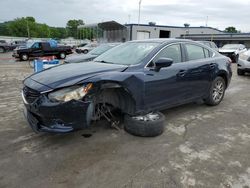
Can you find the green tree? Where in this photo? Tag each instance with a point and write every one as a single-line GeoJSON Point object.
{"type": "Point", "coordinates": [19, 27]}
{"type": "Point", "coordinates": [72, 27]}
{"type": "Point", "coordinates": [27, 26]}
{"type": "Point", "coordinates": [231, 29]}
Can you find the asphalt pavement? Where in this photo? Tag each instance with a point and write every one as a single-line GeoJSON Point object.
{"type": "Point", "coordinates": [202, 146]}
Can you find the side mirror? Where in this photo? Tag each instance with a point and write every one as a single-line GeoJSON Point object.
{"type": "Point", "coordinates": [163, 62]}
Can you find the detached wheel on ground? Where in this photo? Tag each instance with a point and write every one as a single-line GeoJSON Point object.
{"type": "Point", "coordinates": [240, 72]}
{"type": "Point", "coordinates": [149, 125]}
{"type": "Point", "coordinates": [24, 57]}
{"type": "Point", "coordinates": [62, 55]}
{"type": "Point", "coordinates": [216, 92]}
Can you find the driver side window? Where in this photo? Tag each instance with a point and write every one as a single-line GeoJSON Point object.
{"type": "Point", "coordinates": [173, 52]}
{"type": "Point", "coordinates": [37, 45]}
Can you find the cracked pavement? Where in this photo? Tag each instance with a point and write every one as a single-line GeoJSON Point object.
{"type": "Point", "coordinates": [202, 146]}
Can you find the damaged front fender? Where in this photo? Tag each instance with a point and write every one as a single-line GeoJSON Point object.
{"type": "Point", "coordinates": [132, 82]}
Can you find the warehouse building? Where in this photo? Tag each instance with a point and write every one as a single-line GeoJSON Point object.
{"type": "Point", "coordinates": [115, 32]}
{"type": "Point", "coordinates": [224, 38]}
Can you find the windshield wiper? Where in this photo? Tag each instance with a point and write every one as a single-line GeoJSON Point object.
{"type": "Point", "coordinates": [105, 62]}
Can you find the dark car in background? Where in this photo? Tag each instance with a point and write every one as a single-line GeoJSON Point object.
{"type": "Point", "coordinates": [210, 44]}
{"type": "Point", "coordinates": [92, 54]}
{"type": "Point", "coordinates": [138, 78]}
{"type": "Point", "coordinates": [41, 49]}
{"type": "Point", "coordinates": [233, 51]}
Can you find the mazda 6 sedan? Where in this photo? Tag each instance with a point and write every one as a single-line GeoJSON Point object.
{"type": "Point", "coordinates": [136, 77]}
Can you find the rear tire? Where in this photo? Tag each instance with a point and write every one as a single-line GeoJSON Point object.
{"type": "Point", "coordinates": [216, 92]}
{"type": "Point", "coordinates": [240, 72]}
{"type": "Point", "coordinates": [137, 126]}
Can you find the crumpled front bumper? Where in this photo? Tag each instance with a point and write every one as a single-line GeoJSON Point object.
{"type": "Point", "coordinates": [46, 116]}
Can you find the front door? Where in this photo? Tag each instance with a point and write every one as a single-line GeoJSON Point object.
{"type": "Point", "coordinates": [168, 87]}
{"type": "Point", "coordinates": [37, 49]}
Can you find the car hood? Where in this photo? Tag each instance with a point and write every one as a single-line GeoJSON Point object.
{"type": "Point", "coordinates": [227, 50]}
{"type": "Point", "coordinates": [80, 58]}
{"type": "Point", "coordinates": [70, 74]}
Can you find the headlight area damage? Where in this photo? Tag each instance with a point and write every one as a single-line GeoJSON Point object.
{"type": "Point", "coordinates": [60, 111]}
{"type": "Point", "coordinates": [73, 108]}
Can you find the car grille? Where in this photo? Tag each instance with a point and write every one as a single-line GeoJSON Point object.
{"type": "Point", "coordinates": [30, 94]}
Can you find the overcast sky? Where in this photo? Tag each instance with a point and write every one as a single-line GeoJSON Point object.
{"type": "Point", "coordinates": [220, 13]}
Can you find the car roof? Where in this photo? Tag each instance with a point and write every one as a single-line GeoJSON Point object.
{"type": "Point", "coordinates": [163, 40]}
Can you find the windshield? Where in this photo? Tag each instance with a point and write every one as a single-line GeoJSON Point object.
{"type": "Point", "coordinates": [29, 44]}
{"type": "Point", "coordinates": [128, 53]}
{"type": "Point", "coordinates": [231, 46]}
{"type": "Point", "coordinates": [101, 49]}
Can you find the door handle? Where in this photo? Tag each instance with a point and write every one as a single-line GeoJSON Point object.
{"type": "Point", "coordinates": [181, 73]}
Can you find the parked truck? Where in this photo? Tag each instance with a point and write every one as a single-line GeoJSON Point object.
{"type": "Point", "coordinates": [41, 49]}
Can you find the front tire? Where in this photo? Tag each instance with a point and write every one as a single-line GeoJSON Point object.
{"type": "Point", "coordinates": [240, 72]}
{"type": "Point", "coordinates": [216, 92]}
{"type": "Point", "coordinates": [24, 57]}
{"type": "Point", "coordinates": [62, 55]}
{"type": "Point", "coordinates": [149, 125]}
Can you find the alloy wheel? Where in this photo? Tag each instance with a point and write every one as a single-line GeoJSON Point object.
{"type": "Point", "coordinates": [218, 91]}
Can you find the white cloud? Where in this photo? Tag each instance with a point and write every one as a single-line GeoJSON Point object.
{"type": "Point", "coordinates": [220, 14]}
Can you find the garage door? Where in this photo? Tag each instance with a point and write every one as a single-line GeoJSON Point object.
{"type": "Point", "coordinates": [143, 35]}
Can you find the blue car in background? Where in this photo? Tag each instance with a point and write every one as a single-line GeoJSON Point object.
{"type": "Point", "coordinates": [138, 78]}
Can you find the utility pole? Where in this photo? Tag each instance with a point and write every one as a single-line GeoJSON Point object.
{"type": "Point", "coordinates": [28, 29]}
{"type": "Point", "coordinates": [139, 15]}
{"type": "Point", "coordinates": [206, 21]}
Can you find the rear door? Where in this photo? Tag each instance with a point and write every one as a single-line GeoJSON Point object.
{"type": "Point", "coordinates": [199, 66]}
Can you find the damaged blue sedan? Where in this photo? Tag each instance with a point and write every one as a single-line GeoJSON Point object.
{"type": "Point", "coordinates": [138, 78]}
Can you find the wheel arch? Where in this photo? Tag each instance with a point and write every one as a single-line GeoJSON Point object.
{"type": "Point", "coordinates": [116, 94]}
{"type": "Point", "coordinates": [223, 74]}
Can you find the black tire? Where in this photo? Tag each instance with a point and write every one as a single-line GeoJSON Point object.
{"type": "Point", "coordinates": [2, 50]}
{"type": "Point", "coordinates": [62, 55]}
{"type": "Point", "coordinates": [144, 128]}
{"type": "Point", "coordinates": [85, 51]}
{"type": "Point", "coordinates": [24, 57]}
{"type": "Point", "coordinates": [240, 72]}
{"type": "Point", "coordinates": [216, 92]}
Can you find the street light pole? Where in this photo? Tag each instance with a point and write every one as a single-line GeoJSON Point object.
{"type": "Point", "coordinates": [28, 29]}
{"type": "Point", "coordinates": [139, 15]}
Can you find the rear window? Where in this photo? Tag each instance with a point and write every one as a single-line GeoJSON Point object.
{"type": "Point", "coordinates": [195, 52]}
